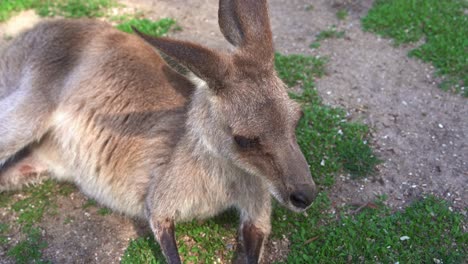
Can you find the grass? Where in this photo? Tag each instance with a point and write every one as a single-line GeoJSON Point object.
{"type": "Point", "coordinates": [35, 203]}
{"type": "Point", "coordinates": [30, 208]}
{"type": "Point", "coordinates": [104, 211]}
{"type": "Point", "coordinates": [73, 8]}
{"type": "Point", "coordinates": [143, 250]}
{"type": "Point", "coordinates": [206, 242]}
{"type": "Point", "coordinates": [89, 203]}
{"type": "Point", "coordinates": [309, 7]}
{"type": "Point", "coordinates": [100, 210]}
{"type": "Point", "coordinates": [326, 34]}
{"type": "Point", "coordinates": [314, 45]}
{"type": "Point", "coordinates": [329, 33]}
{"type": "Point", "coordinates": [374, 234]}
{"type": "Point", "coordinates": [442, 24]}
{"type": "Point", "coordinates": [9, 7]}
{"type": "Point", "coordinates": [377, 235]}
{"type": "Point", "coordinates": [154, 28]}
{"type": "Point", "coordinates": [4, 228]}
{"type": "Point", "coordinates": [64, 8]}
{"type": "Point", "coordinates": [5, 199]}
{"type": "Point", "coordinates": [30, 249]}
{"type": "Point", "coordinates": [88, 8]}
{"type": "Point", "coordinates": [342, 14]}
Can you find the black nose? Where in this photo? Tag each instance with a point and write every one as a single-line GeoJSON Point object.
{"type": "Point", "coordinates": [303, 197]}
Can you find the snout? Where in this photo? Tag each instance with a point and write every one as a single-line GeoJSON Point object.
{"type": "Point", "coordinates": [303, 196]}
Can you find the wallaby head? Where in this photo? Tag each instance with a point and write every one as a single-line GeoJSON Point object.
{"type": "Point", "coordinates": [252, 120]}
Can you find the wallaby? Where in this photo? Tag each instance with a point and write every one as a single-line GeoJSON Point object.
{"type": "Point", "coordinates": [83, 102]}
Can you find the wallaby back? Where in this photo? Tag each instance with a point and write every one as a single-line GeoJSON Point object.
{"type": "Point", "coordinates": [99, 99]}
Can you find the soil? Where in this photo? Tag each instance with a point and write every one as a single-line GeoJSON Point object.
{"type": "Point", "coordinates": [419, 131]}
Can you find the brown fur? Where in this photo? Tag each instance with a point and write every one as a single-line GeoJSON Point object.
{"type": "Point", "coordinates": [101, 108]}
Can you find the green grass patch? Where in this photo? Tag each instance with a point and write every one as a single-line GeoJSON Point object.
{"type": "Point", "coordinates": [153, 28]}
{"type": "Point", "coordinates": [88, 8]}
{"type": "Point", "coordinates": [314, 45]}
{"type": "Point", "coordinates": [100, 209]}
{"type": "Point", "coordinates": [9, 7]}
{"type": "Point", "coordinates": [309, 8]}
{"type": "Point", "coordinates": [33, 204]}
{"type": "Point", "coordinates": [5, 199]}
{"type": "Point", "coordinates": [329, 33]}
{"type": "Point", "coordinates": [104, 211]}
{"type": "Point", "coordinates": [64, 8]}
{"type": "Point", "coordinates": [208, 241]}
{"type": "Point", "coordinates": [426, 232]}
{"type": "Point", "coordinates": [37, 201]}
{"type": "Point", "coordinates": [342, 14]}
{"type": "Point", "coordinates": [143, 250]}
{"type": "Point", "coordinates": [198, 242]}
{"type": "Point", "coordinates": [373, 234]}
{"type": "Point", "coordinates": [89, 203]}
{"type": "Point", "coordinates": [74, 8]}
{"type": "Point", "coordinates": [326, 34]}
{"type": "Point", "coordinates": [443, 24]}
{"type": "Point", "coordinates": [30, 249]}
{"type": "Point", "coordinates": [4, 228]}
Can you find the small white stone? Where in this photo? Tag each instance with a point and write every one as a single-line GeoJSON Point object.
{"type": "Point", "coordinates": [441, 126]}
{"type": "Point", "coordinates": [322, 163]}
{"type": "Point", "coordinates": [403, 238]}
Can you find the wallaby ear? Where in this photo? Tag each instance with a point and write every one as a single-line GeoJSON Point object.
{"type": "Point", "coordinates": [207, 64]}
{"type": "Point", "coordinates": [246, 25]}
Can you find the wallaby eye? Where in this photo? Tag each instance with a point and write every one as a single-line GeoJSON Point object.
{"type": "Point", "coordinates": [246, 143]}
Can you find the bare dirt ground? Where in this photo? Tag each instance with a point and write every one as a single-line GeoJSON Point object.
{"type": "Point", "coordinates": [419, 131]}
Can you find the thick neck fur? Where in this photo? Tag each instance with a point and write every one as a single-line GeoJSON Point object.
{"type": "Point", "coordinates": [200, 126]}
{"type": "Point", "coordinates": [203, 141]}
